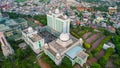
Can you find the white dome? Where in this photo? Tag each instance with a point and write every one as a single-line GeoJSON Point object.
{"type": "Point", "coordinates": [64, 37]}
{"type": "Point", "coordinates": [30, 29]}
{"type": "Point", "coordinates": [46, 46]}
{"type": "Point", "coordinates": [58, 56]}
{"type": "Point", "coordinates": [65, 16]}
{"type": "Point", "coordinates": [57, 11]}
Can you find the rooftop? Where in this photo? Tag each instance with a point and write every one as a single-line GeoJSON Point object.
{"type": "Point", "coordinates": [72, 53]}
{"type": "Point", "coordinates": [63, 17]}
{"type": "Point", "coordinates": [58, 45]}
{"type": "Point", "coordinates": [21, 20]}
{"type": "Point", "coordinates": [48, 37]}
{"type": "Point", "coordinates": [3, 27]}
{"type": "Point", "coordinates": [35, 37]}
{"type": "Point", "coordinates": [82, 55]}
{"type": "Point", "coordinates": [10, 22]}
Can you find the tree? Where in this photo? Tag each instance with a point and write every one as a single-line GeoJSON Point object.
{"type": "Point", "coordinates": [118, 48]}
{"type": "Point", "coordinates": [116, 39]}
{"type": "Point", "coordinates": [118, 32]}
{"type": "Point", "coordinates": [107, 33]}
{"type": "Point", "coordinates": [90, 55]}
{"type": "Point", "coordinates": [6, 63]}
{"type": "Point", "coordinates": [93, 16]}
{"type": "Point", "coordinates": [103, 8]}
{"type": "Point", "coordinates": [106, 39]}
{"type": "Point", "coordinates": [115, 56]}
{"type": "Point", "coordinates": [103, 61]}
{"type": "Point", "coordinates": [80, 15]}
{"type": "Point", "coordinates": [86, 45]}
{"type": "Point", "coordinates": [117, 62]}
{"type": "Point", "coordinates": [66, 63]}
{"type": "Point", "coordinates": [95, 65]}
{"type": "Point", "coordinates": [72, 7]}
{"type": "Point", "coordinates": [41, 18]}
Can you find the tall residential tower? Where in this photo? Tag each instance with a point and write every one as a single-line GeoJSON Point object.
{"type": "Point", "coordinates": [57, 21]}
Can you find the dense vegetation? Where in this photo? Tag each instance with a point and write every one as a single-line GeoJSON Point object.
{"type": "Point", "coordinates": [101, 8]}
{"type": "Point", "coordinates": [66, 63]}
{"type": "Point", "coordinates": [96, 50]}
{"type": "Point", "coordinates": [116, 41]}
{"type": "Point", "coordinates": [86, 45]}
{"type": "Point", "coordinates": [41, 18]}
{"type": "Point", "coordinates": [89, 0]}
{"type": "Point", "coordinates": [95, 65]}
{"type": "Point", "coordinates": [21, 59]}
{"type": "Point", "coordinates": [103, 61]}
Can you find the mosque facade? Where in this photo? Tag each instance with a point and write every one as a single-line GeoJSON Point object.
{"type": "Point", "coordinates": [56, 46]}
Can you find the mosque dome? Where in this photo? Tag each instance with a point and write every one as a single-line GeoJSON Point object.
{"type": "Point", "coordinates": [46, 46]}
{"type": "Point", "coordinates": [64, 36]}
{"type": "Point", "coordinates": [30, 29]}
{"type": "Point", "coordinates": [81, 39]}
{"type": "Point", "coordinates": [57, 11]}
{"type": "Point", "coordinates": [58, 56]}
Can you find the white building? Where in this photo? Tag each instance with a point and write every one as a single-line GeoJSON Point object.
{"type": "Point", "coordinates": [66, 45]}
{"type": "Point", "coordinates": [32, 38]}
{"type": "Point", "coordinates": [6, 48]}
{"type": "Point", "coordinates": [57, 21]}
{"type": "Point", "coordinates": [56, 41]}
{"type": "Point", "coordinates": [108, 45]}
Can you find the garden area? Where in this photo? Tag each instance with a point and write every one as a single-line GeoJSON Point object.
{"type": "Point", "coordinates": [116, 55]}
{"type": "Point", "coordinates": [93, 43]}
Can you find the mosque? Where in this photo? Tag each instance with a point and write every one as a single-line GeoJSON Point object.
{"type": "Point", "coordinates": [55, 40]}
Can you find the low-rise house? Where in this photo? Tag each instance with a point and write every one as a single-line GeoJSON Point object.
{"type": "Point", "coordinates": [116, 25]}
{"type": "Point", "coordinates": [83, 8]}
{"type": "Point", "coordinates": [108, 45]}
{"type": "Point", "coordinates": [112, 9]}
{"type": "Point", "coordinates": [111, 29]}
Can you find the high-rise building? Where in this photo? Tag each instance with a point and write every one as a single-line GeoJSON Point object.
{"type": "Point", "coordinates": [57, 21]}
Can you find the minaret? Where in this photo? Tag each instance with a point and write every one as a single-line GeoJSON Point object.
{"type": "Point", "coordinates": [6, 48]}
